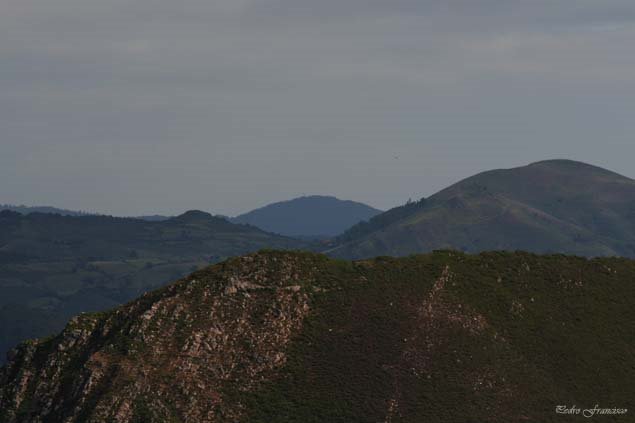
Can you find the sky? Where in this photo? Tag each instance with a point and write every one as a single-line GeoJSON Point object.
{"type": "Point", "coordinates": [155, 106]}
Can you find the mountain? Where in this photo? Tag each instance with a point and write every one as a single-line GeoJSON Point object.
{"type": "Point", "coordinates": [53, 267]}
{"type": "Point", "coordinates": [42, 209]}
{"type": "Point", "coordinates": [296, 337]}
{"type": "Point", "coordinates": [311, 216]}
{"type": "Point", "coordinates": [64, 212]}
{"type": "Point", "coordinates": [39, 236]}
{"type": "Point", "coordinates": [551, 206]}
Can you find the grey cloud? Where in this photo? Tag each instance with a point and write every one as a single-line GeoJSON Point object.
{"type": "Point", "coordinates": [158, 106]}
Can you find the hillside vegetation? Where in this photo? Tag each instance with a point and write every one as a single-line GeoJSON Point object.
{"type": "Point", "coordinates": [380, 221]}
{"type": "Point", "coordinates": [556, 206]}
{"type": "Point", "coordinates": [296, 337]}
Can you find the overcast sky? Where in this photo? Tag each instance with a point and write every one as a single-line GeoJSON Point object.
{"type": "Point", "coordinates": [158, 106]}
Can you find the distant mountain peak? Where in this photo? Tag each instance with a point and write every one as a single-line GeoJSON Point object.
{"type": "Point", "coordinates": [314, 197]}
{"type": "Point", "coordinates": [560, 162]}
{"type": "Point", "coordinates": [567, 165]}
{"type": "Point", "coordinates": [194, 215]}
{"type": "Point", "coordinates": [309, 215]}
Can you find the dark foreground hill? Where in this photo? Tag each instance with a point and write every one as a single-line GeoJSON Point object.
{"type": "Point", "coordinates": [314, 215]}
{"type": "Point", "coordinates": [290, 337]}
{"type": "Point", "coordinates": [557, 206]}
{"type": "Point", "coordinates": [52, 267]}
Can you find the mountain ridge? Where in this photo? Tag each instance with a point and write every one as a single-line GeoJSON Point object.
{"type": "Point", "coordinates": [548, 206]}
{"type": "Point", "coordinates": [289, 337]}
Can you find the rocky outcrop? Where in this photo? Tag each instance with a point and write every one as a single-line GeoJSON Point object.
{"type": "Point", "coordinates": [169, 355]}
{"type": "Point", "coordinates": [295, 337]}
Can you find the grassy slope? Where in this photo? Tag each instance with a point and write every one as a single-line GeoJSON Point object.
{"type": "Point", "coordinates": [444, 337]}
{"type": "Point", "coordinates": [510, 336]}
{"type": "Point", "coordinates": [554, 206]}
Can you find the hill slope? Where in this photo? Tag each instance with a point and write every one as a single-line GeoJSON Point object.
{"type": "Point", "coordinates": [42, 209]}
{"type": "Point", "coordinates": [552, 206]}
{"type": "Point", "coordinates": [39, 236]}
{"type": "Point", "coordinates": [53, 267]}
{"type": "Point", "coordinates": [54, 210]}
{"type": "Point", "coordinates": [288, 337]}
{"type": "Point", "coordinates": [308, 216]}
